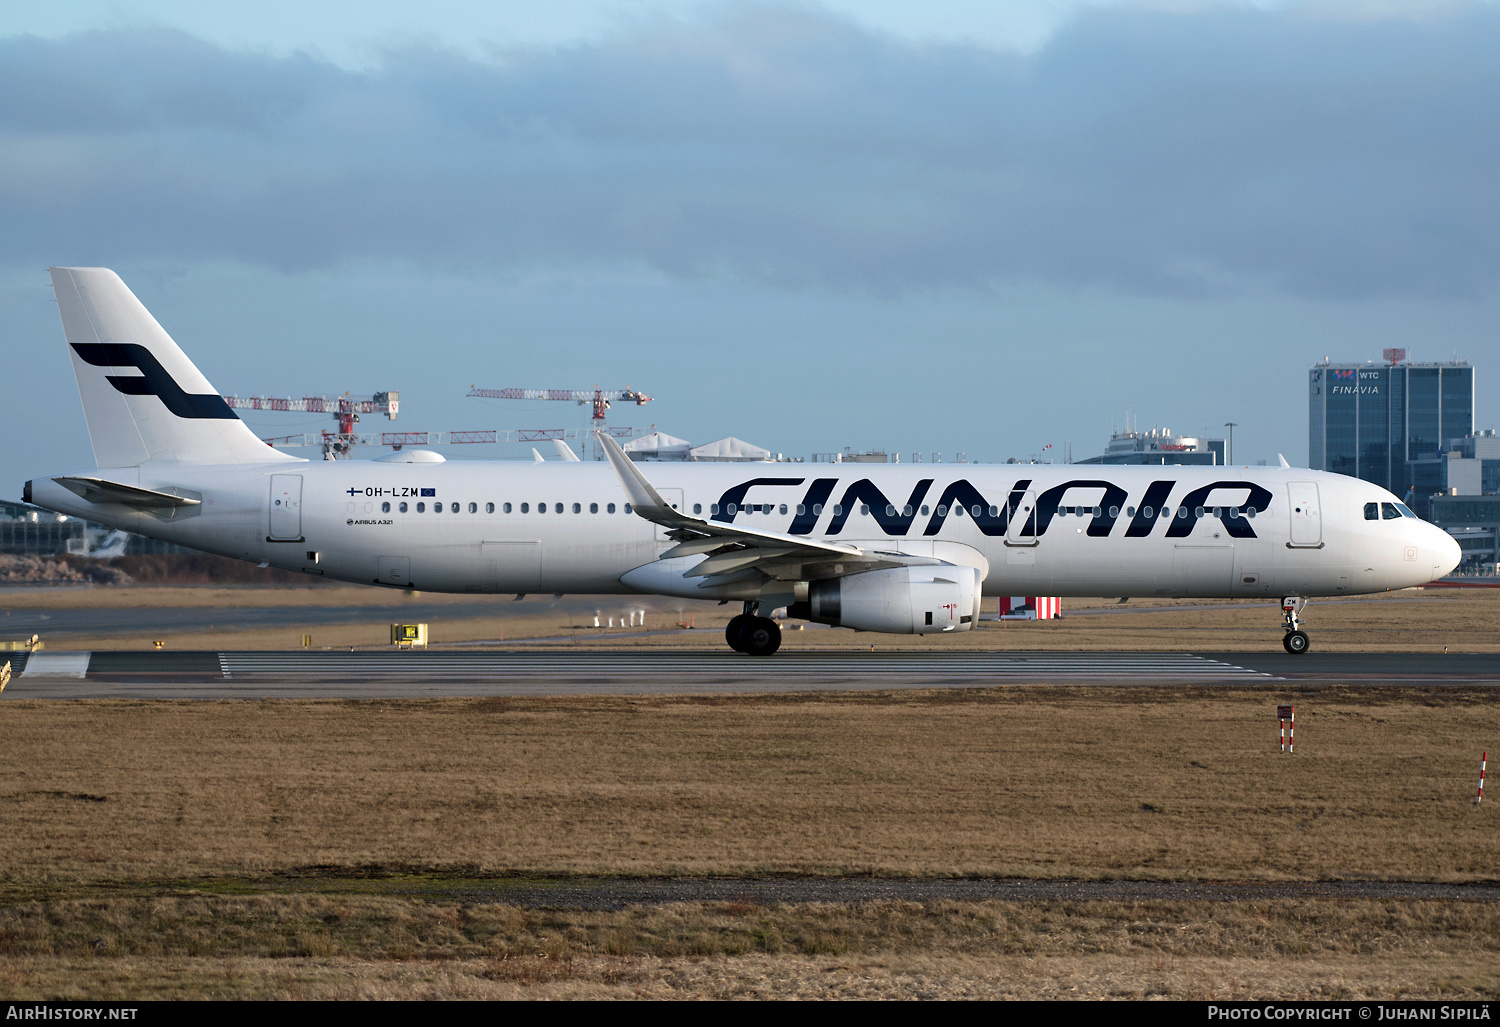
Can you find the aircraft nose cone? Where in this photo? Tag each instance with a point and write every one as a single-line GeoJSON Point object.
{"type": "Point", "coordinates": [1446, 552]}
{"type": "Point", "coordinates": [1442, 549]}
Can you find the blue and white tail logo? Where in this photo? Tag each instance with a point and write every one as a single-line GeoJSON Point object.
{"type": "Point", "coordinates": [152, 381]}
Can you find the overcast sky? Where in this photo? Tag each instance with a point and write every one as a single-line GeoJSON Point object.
{"type": "Point", "coordinates": [921, 227]}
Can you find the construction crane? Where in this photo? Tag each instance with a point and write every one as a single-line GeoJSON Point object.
{"type": "Point", "coordinates": [337, 445]}
{"type": "Point", "coordinates": [599, 398]}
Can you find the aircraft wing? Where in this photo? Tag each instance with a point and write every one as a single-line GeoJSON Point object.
{"type": "Point", "coordinates": [736, 552]}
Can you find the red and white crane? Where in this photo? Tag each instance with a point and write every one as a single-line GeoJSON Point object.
{"type": "Point", "coordinates": [345, 410]}
{"type": "Point", "coordinates": [599, 398]}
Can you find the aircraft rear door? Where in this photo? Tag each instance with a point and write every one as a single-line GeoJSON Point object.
{"type": "Point", "coordinates": [1307, 519]}
{"type": "Point", "coordinates": [286, 508]}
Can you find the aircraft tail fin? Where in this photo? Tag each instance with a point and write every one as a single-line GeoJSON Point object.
{"type": "Point", "coordinates": [143, 398]}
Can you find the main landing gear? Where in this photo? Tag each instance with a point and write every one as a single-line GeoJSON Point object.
{"type": "Point", "coordinates": [1295, 641]}
{"type": "Point", "coordinates": [751, 633]}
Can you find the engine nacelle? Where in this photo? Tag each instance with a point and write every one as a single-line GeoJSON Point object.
{"type": "Point", "coordinates": [898, 600]}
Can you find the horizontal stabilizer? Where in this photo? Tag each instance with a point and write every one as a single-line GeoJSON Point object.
{"type": "Point", "coordinates": [97, 490]}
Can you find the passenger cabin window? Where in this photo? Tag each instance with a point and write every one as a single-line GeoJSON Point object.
{"type": "Point", "coordinates": [385, 508]}
{"type": "Point", "coordinates": [403, 508]}
{"type": "Point", "coordinates": [421, 508]}
{"type": "Point", "coordinates": [506, 508]}
{"type": "Point", "coordinates": [473, 508]}
{"type": "Point", "coordinates": [627, 507]}
{"type": "Point", "coordinates": [697, 508]}
{"type": "Point", "coordinates": [610, 508]}
{"type": "Point", "coordinates": [557, 508]}
{"type": "Point", "coordinates": [578, 508]}
{"type": "Point", "coordinates": [489, 508]}
{"type": "Point", "coordinates": [526, 508]}
{"type": "Point", "coordinates": [593, 508]}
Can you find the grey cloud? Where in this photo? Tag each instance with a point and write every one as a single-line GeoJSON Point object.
{"type": "Point", "coordinates": [1169, 153]}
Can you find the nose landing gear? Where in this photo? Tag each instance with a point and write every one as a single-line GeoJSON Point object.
{"type": "Point", "coordinates": [1295, 641]}
{"type": "Point", "coordinates": [752, 634]}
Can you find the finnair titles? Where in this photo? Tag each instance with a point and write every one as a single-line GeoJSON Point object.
{"type": "Point", "coordinates": [899, 549]}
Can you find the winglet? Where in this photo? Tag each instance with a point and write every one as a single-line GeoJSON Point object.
{"type": "Point", "coordinates": [645, 499]}
{"type": "Point", "coordinates": [1283, 460]}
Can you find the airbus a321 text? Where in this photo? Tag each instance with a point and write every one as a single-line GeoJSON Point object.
{"type": "Point", "coordinates": [891, 548]}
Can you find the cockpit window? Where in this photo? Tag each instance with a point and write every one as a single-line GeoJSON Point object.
{"type": "Point", "coordinates": [1405, 512]}
{"type": "Point", "coordinates": [1389, 512]}
{"type": "Point", "coordinates": [1372, 511]}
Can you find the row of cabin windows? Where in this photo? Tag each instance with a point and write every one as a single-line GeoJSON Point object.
{"type": "Point", "coordinates": [976, 510]}
{"type": "Point", "coordinates": [994, 511]}
{"type": "Point", "coordinates": [541, 508]}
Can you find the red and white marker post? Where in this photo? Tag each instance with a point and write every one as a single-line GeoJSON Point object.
{"type": "Point", "coordinates": [1479, 795]}
{"type": "Point", "coordinates": [1286, 718]}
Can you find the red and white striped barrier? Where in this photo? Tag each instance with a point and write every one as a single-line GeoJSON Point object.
{"type": "Point", "coordinates": [1030, 607]}
{"type": "Point", "coordinates": [1483, 759]}
{"type": "Point", "coordinates": [1286, 719]}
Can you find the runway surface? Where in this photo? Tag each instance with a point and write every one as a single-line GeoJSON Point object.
{"type": "Point", "coordinates": [388, 674]}
{"type": "Point", "coordinates": [152, 621]}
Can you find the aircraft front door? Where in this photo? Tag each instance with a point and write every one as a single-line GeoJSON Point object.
{"type": "Point", "coordinates": [286, 508]}
{"type": "Point", "coordinates": [1307, 520]}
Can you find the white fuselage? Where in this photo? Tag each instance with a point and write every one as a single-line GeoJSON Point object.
{"type": "Point", "coordinates": [1261, 531]}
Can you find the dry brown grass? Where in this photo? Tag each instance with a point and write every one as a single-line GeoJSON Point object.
{"type": "Point", "coordinates": [1081, 782]}
{"type": "Point", "coordinates": [129, 828]}
{"type": "Point", "coordinates": [207, 946]}
{"type": "Point", "coordinates": [132, 829]}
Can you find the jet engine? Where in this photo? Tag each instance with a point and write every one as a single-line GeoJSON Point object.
{"type": "Point", "coordinates": [898, 600]}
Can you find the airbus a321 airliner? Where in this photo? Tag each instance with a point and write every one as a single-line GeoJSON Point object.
{"type": "Point", "coordinates": [900, 549]}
